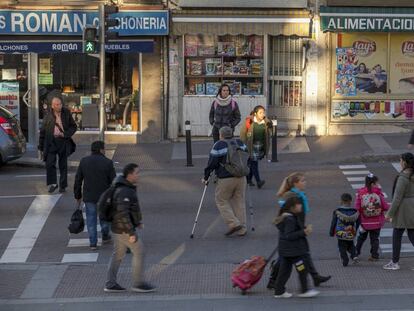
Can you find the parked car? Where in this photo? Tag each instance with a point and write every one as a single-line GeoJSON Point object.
{"type": "Point", "coordinates": [12, 140]}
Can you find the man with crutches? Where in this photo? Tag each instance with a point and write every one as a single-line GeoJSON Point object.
{"type": "Point", "coordinates": [230, 188]}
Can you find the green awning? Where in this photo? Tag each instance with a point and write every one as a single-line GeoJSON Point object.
{"type": "Point", "coordinates": [362, 19]}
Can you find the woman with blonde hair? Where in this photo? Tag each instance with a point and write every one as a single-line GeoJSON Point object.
{"type": "Point", "coordinates": [294, 185]}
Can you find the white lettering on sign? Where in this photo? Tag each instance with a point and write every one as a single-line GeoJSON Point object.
{"type": "Point", "coordinates": [117, 47]}
{"type": "Point", "coordinates": [371, 24]}
{"type": "Point", "coordinates": [32, 19]}
{"type": "Point", "coordinates": [147, 23]}
{"type": "Point", "coordinates": [14, 48]}
{"type": "Point", "coordinates": [2, 22]}
{"type": "Point", "coordinates": [17, 19]}
{"type": "Point", "coordinates": [65, 47]}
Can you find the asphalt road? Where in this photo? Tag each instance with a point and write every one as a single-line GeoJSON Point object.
{"type": "Point", "coordinates": [169, 201]}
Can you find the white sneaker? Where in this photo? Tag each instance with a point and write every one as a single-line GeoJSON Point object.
{"type": "Point", "coordinates": [284, 295]}
{"type": "Point", "coordinates": [309, 294]}
{"type": "Point", "coordinates": [391, 266]}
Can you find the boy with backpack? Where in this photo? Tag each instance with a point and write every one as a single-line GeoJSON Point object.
{"type": "Point", "coordinates": [371, 204]}
{"type": "Point", "coordinates": [228, 158]}
{"type": "Point", "coordinates": [344, 226]}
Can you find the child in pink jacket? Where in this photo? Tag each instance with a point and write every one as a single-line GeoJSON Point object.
{"type": "Point", "coordinates": [371, 204]}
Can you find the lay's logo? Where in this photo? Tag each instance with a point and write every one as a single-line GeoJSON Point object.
{"type": "Point", "coordinates": [364, 48]}
{"type": "Point", "coordinates": [407, 48]}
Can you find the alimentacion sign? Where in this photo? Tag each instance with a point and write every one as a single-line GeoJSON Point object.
{"type": "Point", "coordinates": [343, 19]}
{"type": "Point", "coordinates": [131, 23]}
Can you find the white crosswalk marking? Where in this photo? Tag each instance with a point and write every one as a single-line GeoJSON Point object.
{"type": "Point", "coordinates": [356, 172]}
{"type": "Point", "coordinates": [81, 242]}
{"type": "Point", "coordinates": [85, 257]}
{"type": "Point", "coordinates": [357, 186]}
{"type": "Point", "coordinates": [355, 178]}
{"type": "Point", "coordinates": [352, 167]}
{"type": "Point", "coordinates": [25, 237]}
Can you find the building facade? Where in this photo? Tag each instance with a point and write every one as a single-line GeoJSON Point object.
{"type": "Point", "coordinates": [260, 49]}
{"type": "Point", "coordinates": [41, 51]}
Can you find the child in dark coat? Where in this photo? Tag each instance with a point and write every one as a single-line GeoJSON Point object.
{"type": "Point", "coordinates": [344, 226]}
{"type": "Point", "coordinates": [293, 248]}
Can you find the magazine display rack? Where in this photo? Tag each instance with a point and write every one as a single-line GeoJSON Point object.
{"type": "Point", "coordinates": [212, 60]}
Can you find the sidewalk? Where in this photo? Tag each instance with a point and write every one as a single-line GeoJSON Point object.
{"type": "Point", "coordinates": [291, 150]}
{"type": "Point", "coordinates": [84, 282]}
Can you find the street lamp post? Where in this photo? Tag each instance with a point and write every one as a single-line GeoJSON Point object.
{"type": "Point", "coordinates": [274, 139]}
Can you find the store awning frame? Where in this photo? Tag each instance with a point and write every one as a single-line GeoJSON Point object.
{"type": "Point", "coordinates": [246, 25]}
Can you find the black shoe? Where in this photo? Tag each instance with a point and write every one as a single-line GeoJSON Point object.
{"type": "Point", "coordinates": [52, 188]}
{"type": "Point", "coordinates": [260, 184]}
{"type": "Point", "coordinates": [144, 287]}
{"type": "Point", "coordinates": [319, 279]}
{"type": "Point", "coordinates": [233, 230]}
{"type": "Point", "coordinates": [271, 284]}
{"type": "Point", "coordinates": [62, 190]}
{"type": "Point", "coordinates": [114, 289]}
{"type": "Point", "coordinates": [106, 238]}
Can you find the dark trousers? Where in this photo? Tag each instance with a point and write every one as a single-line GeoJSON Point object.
{"type": "Point", "coordinates": [310, 266]}
{"type": "Point", "coordinates": [215, 134]}
{"type": "Point", "coordinates": [286, 264]}
{"type": "Point", "coordinates": [374, 237]}
{"type": "Point", "coordinates": [51, 175]}
{"type": "Point", "coordinates": [254, 170]}
{"type": "Point", "coordinates": [346, 247]}
{"type": "Point", "coordinates": [397, 234]}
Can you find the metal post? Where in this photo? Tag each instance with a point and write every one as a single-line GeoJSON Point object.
{"type": "Point", "coordinates": [102, 72]}
{"type": "Point", "coordinates": [274, 140]}
{"type": "Point", "coordinates": [188, 143]}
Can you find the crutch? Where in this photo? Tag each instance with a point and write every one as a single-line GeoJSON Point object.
{"type": "Point", "coordinates": [199, 209]}
{"type": "Point", "coordinates": [249, 198]}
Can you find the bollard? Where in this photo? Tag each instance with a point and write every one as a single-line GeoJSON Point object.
{"type": "Point", "coordinates": [188, 143]}
{"type": "Point", "coordinates": [274, 139]}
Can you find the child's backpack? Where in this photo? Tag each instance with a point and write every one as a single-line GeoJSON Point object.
{"type": "Point", "coordinates": [236, 160]}
{"type": "Point", "coordinates": [371, 204]}
{"type": "Point", "coordinates": [345, 230]}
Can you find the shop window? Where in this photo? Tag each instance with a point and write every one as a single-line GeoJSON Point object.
{"type": "Point", "coordinates": [213, 60]}
{"type": "Point", "coordinates": [77, 76]}
{"type": "Point", "coordinates": [373, 76]}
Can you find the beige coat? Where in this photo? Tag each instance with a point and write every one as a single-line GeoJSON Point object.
{"type": "Point", "coordinates": [402, 206]}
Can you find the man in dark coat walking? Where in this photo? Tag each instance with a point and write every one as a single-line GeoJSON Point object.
{"type": "Point", "coordinates": [96, 173]}
{"type": "Point", "coordinates": [56, 140]}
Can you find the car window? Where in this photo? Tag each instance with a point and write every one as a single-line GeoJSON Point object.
{"type": "Point", "coordinates": [5, 113]}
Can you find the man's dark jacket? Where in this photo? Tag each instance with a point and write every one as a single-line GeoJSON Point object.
{"type": "Point", "coordinates": [46, 137]}
{"type": "Point", "coordinates": [126, 211]}
{"type": "Point", "coordinates": [96, 172]}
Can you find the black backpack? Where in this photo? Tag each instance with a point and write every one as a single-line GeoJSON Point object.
{"type": "Point", "coordinates": [105, 204]}
{"type": "Point", "coordinates": [236, 160]}
{"type": "Point", "coordinates": [77, 224]}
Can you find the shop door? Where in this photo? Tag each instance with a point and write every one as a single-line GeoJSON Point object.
{"type": "Point", "coordinates": [285, 82]}
{"type": "Point", "coordinates": [14, 90]}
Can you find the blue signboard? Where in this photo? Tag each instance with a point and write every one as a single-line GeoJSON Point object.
{"type": "Point", "coordinates": [142, 46]}
{"type": "Point", "coordinates": [70, 23]}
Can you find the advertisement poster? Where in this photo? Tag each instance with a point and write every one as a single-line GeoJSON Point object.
{"type": "Point", "coordinates": [9, 97]}
{"type": "Point", "coordinates": [402, 64]}
{"type": "Point", "coordinates": [396, 110]}
{"type": "Point", "coordinates": [370, 61]}
{"type": "Point", "coordinates": [345, 65]}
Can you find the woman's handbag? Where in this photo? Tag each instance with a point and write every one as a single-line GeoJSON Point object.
{"type": "Point", "coordinates": [77, 224]}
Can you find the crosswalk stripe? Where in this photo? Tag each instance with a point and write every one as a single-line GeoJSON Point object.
{"type": "Point", "coordinates": [357, 186]}
{"type": "Point", "coordinates": [25, 237]}
{"type": "Point", "coordinates": [387, 233]}
{"type": "Point", "coordinates": [81, 242]}
{"type": "Point", "coordinates": [405, 248]}
{"type": "Point", "coordinates": [348, 167]}
{"type": "Point", "coordinates": [356, 172]}
{"type": "Point", "coordinates": [85, 257]}
{"type": "Point", "coordinates": [355, 179]}
{"type": "Point", "coordinates": [397, 166]}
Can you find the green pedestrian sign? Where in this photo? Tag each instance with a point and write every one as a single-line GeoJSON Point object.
{"type": "Point", "coordinates": [89, 39]}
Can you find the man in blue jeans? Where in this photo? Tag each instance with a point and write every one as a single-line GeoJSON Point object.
{"type": "Point", "coordinates": [126, 216]}
{"type": "Point", "coordinates": [94, 175]}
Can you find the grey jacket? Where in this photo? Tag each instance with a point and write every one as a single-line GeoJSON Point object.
{"type": "Point", "coordinates": [402, 206]}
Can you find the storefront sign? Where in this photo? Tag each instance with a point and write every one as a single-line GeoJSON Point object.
{"type": "Point", "coordinates": [74, 46]}
{"type": "Point", "coordinates": [342, 19]}
{"type": "Point", "coordinates": [9, 97]}
{"type": "Point", "coordinates": [131, 23]}
{"type": "Point", "coordinates": [46, 78]}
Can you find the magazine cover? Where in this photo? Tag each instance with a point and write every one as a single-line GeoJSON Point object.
{"type": "Point", "coordinates": [212, 88]}
{"type": "Point", "coordinates": [242, 46]}
{"type": "Point", "coordinates": [191, 44]}
{"type": "Point", "coordinates": [206, 50]}
{"type": "Point", "coordinates": [241, 67]}
{"type": "Point", "coordinates": [256, 67]}
{"type": "Point", "coordinates": [227, 68]}
{"type": "Point", "coordinates": [235, 87]}
{"type": "Point", "coordinates": [207, 45]}
{"type": "Point", "coordinates": [253, 89]}
{"type": "Point", "coordinates": [226, 49]}
{"type": "Point", "coordinates": [196, 67]}
{"type": "Point", "coordinates": [192, 86]}
{"type": "Point", "coordinates": [256, 46]}
{"type": "Point", "coordinates": [199, 89]}
{"type": "Point", "coordinates": [213, 66]}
